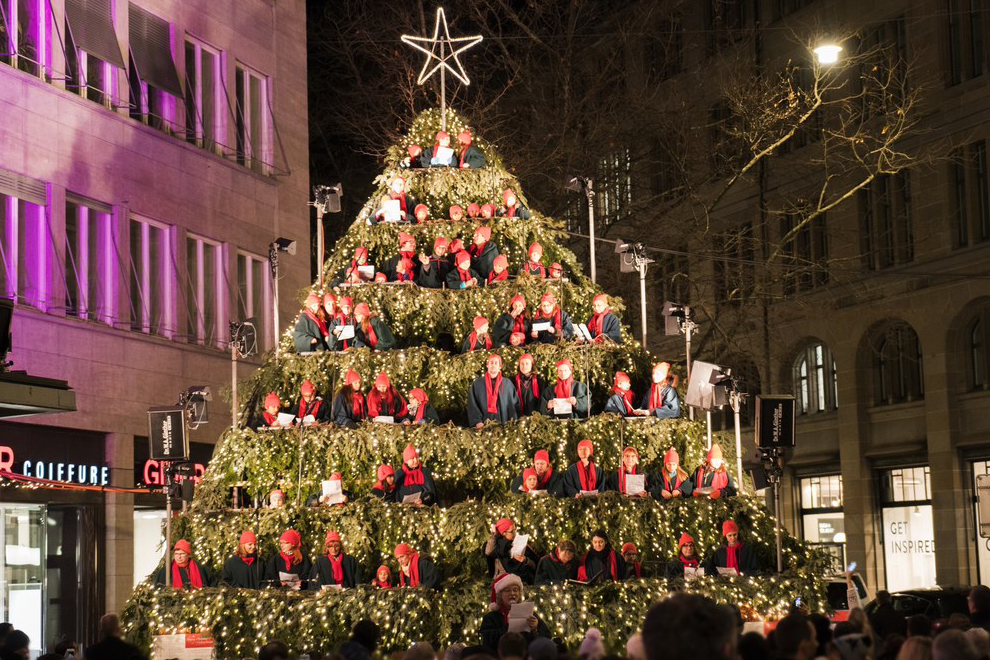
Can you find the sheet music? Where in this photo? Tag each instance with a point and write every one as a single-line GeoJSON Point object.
{"type": "Point", "coordinates": [291, 578]}
{"type": "Point", "coordinates": [308, 419]}
{"type": "Point", "coordinates": [519, 614]}
{"type": "Point", "coordinates": [346, 332]}
{"type": "Point", "coordinates": [691, 573]}
{"type": "Point", "coordinates": [725, 570]}
{"type": "Point", "coordinates": [412, 498]}
{"type": "Point", "coordinates": [385, 419]}
{"type": "Point", "coordinates": [562, 407]}
{"type": "Point", "coordinates": [635, 484]}
{"type": "Point", "coordinates": [392, 210]}
{"type": "Point", "coordinates": [332, 489]}
{"type": "Point", "coordinates": [583, 329]}
{"type": "Point", "coordinates": [367, 272]}
{"type": "Point", "coordinates": [541, 326]}
{"type": "Point", "coordinates": [284, 419]}
{"type": "Point", "coordinates": [519, 545]}
{"type": "Point", "coordinates": [443, 157]}
{"type": "Point", "coordinates": [703, 490]}
{"type": "Point", "coordinates": [332, 587]}
{"type": "Point", "coordinates": [589, 493]}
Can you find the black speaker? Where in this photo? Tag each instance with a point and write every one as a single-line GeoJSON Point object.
{"type": "Point", "coordinates": [775, 420]}
{"type": "Point", "coordinates": [759, 477]}
{"type": "Point", "coordinates": [6, 315]}
{"type": "Point", "coordinates": [167, 434]}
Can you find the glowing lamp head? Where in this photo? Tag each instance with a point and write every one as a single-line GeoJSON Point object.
{"type": "Point", "coordinates": [828, 53]}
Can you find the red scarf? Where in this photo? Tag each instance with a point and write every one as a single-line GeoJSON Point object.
{"type": "Point", "coordinates": [491, 392]}
{"type": "Point", "coordinates": [320, 322]}
{"type": "Point", "coordinates": [657, 390]}
{"type": "Point", "coordinates": [534, 385]}
{"type": "Point", "coordinates": [678, 480]}
{"type": "Point", "coordinates": [337, 567]}
{"type": "Point", "coordinates": [418, 417]}
{"type": "Point", "coordinates": [595, 323]}
{"type": "Point", "coordinates": [622, 477]}
{"type": "Point", "coordinates": [691, 562]}
{"type": "Point", "coordinates": [270, 419]}
{"type": "Point", "coordinates": [288, 559]}
{"type": "Point", "coordinates": [519, 323]}
{"type": "Point", "coordinates": [731, 557]}
{"type": "Point", "coordinates": [475, 248]}
{"type": "Point", "coordinates": [195, 579]}
{"type": "Point", "coordinates": [406, 257]}
{"type": "Point", "coordinates": [465, 275]}
{"type": "Point", "coordinates": [413, 571]}
{"type": "Point", "coordinates": [492, 277]}
{"type": "Point", "coordinates": [555, 318]}
{"type": "Point", "coordinates": [248, 560]}
{"type": "Point", "coordinates": [510, 211]}
{"type": "Point", "coordinates": [541, 484]}
{"type": "Point", "coordinates": [638, 569]}
{"type": "Point", "coordinates": [357, 405]}
{"type": "Point", "coordinates": [536, 265]}
{"type": "Point", "coordinates": [719, 478]}
{"type": "Point", "coordinates": [393, 402]}
{"type": "Point", "coordinates": [587, 475]}
{"type": "Point", "coordinates": [460, 162]}
{"type": "Point", "coordinates": [382, 585]}
{"type": "Point", "coordinates": [412, 476]}
{"type": "Point", "coordinates": [369, 331]}
{"type": "Point", "coordinates": [401, 198]}
{"type": "Point", "coordinates": [310, 409]}
{"type": "Point", "coordinates": [627, 398]}
{"type": "Point", "coordinates": [474, 340]}
{"type": "Point", "coordinates": [563, 388]}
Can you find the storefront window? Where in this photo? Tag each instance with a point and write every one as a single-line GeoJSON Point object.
{"type": "Point", "coordinates": [908, 530]}
{"type": "Point", "coordinates": [982, 544]}
{"type": "Point", "coordinates": [24, 569]}
{"type": "Point", "coordinates": [148, 542]}
{"type": "Point", "coordinates": [822, 519]}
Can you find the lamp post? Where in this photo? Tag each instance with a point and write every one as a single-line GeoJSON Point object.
{"type": "Point", "coordinates": [288, 246]}
{"type": "Point", "coordinates": [632, 258]}
{"type": "Point", "coordinates": [586, 186]}
{"type": "Point", "coordinates": [827, 53]}
{"type": "Point", "coordinates": [326, 199]}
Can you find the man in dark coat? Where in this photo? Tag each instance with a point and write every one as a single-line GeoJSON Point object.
{"type": "Point", "coordinates": [335, 567]}
{"type": "Point", "coordinates": [433, 270]}
{"type": "Point", "coordinates": [406, 254]}
{"type": "Point", "coordinates": [558, 566]}
{"type": "Point", "coordinates": [734, 554]}
{"type": "Point", "coordinates": [507, 590]}
{"type": "Point", "coordinates": [187, 573]}
{"type": "Point", "coordinates": [530, 386]}
{"type": "Point", "coordinates": [470, 155]}
{"type": "Point", "coordinates": [498, 553]}
{"type": "Point", "coordinates": [568, 390]}
{"type": "Point", "coordinates": [483, 252]}
{"type": "Point", "coordinates": [414, 477]}
{"type": "Point", "coordinates": [885, 620]}
{"type": "Point", "coordinates": [310, 333]}
{"type": "Point", "coordinates": [547, 479]}
{"type": "Point", "coordinates": [244, 569]}
{"type": "Point", "coordinates": [491, 396]}
{"type": "Point", "coordinates": [583, 475]}
{"type": "Point", "coordinates": [416, 570]}
{"type": "Point", "coordinates": [111, 646]}
{"type": "Point", "coordinates": [311, 405]}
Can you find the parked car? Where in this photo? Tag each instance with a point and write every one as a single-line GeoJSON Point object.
{"type": "Point", "coordinates": [937, 603]}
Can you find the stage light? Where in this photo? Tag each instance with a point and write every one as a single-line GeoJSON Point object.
{"type": "Point", "coordinates": [828, 53]}
{"type": "Point", "coordinates": [284, 245]}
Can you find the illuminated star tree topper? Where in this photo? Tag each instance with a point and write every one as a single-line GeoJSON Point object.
{"type": "Point", "coordinates": [440, 50]}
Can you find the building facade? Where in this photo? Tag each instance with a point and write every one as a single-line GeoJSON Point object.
{"type": "Point", "coordinates": [883, 338]}
{"type": "Point", "coordinates": [150, 152]}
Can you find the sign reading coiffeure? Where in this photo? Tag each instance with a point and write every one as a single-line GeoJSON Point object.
{"type": "Point", "coordinates": [69, 472]}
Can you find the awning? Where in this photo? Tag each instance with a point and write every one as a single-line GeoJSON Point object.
{"type": "Point", "coordinates": [21, 394]}
{"type": "Point", "coordinates": [91, 25]}
{"type": "Point", "coordinates": [151, 47]}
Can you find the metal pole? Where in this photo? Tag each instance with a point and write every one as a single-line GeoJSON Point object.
{"type": "Point", "coordinates": [443, 88]}
{"type": "Point", "coordinates": [299, 482]}
{"type": "Point", "coordinates": [273, 265]}
{"type": "Point", "coordinates": [642, 299]}
{"type": "Point", "coordinates": [776, 515]}
{"type": "Point", "coordinates": [233, 385]}
{"type": "Point", "coordinates": [590, 194]}
{"type": "Point", "coordinates": [708, 413]}
{"type": "Point", "coordinates": [319, 245]}
{"type": "Point", "coordinates": [168, 525]}
{"type": "Point", "coordinates": [736, 404]}
{"type": "Point", "coordinates": [688, 327]}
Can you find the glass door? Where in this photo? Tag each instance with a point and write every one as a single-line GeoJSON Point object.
{"type": "Point", "coordinates": [22, 560]}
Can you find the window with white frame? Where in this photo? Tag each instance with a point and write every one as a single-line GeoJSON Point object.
{"type": "Point", "coordinates": [908, 530]}
{"type": "Point", "coordinates": [92, 50]}
{"type": "Point", "coordinates": [204, 291]}
{"type": "Point", "coordinates": [24, 35]}
{"type": "Point", "coordinates": [153, 81]}
{"type": "Point", "coordinates": [204, 115]}
{"type": "Point", "coordinates": [90, 260]}
{"type": "Point", "coordinates": [254, 294]}
{"type": "Point", "coordinates": [822, 520]}
{"type": "Point", "coordinates": [152, 277]}
{"type": "Point", "coordinates": [25, 243]}
{"type": "Point", "coordinates": [814, 380]}
{"type": "Point", "coordinates": [254, 140]}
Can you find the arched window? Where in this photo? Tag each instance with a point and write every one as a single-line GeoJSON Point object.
{"type": "Point", "coordinates": [897, 365]}
{"type": "Point", "coordinates": [978, 357]}
{"type": "Point", "coordinates": [814, 380]}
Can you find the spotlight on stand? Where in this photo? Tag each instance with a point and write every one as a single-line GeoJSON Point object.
{"type": "Point", "coordinates": [326, 199]}
{"type": "Point", "coordinates": [283, 245]}
{"type": "Point", "coordinates": [196, 403]}
{"type": "Point", "coordinates": [243, 342]}
{"type": "Point", "coordinates": [585, 186]}
{"type": "Point", "coordinates": [633, 259]}
{"type": "Point", "coordinates": [288, 246]}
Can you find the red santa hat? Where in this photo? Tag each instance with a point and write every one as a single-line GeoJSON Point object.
{"type": "Point", "coordinates": [464, 137]}
{"type": "Point", "coordinates": [479, 322]}
{"type": "Point", "coordinates": [247, 536]}
{"type": "Point", "coordinates": [335, 476]}
{"type": "Point", "coordinates": [381, 277]}
{"type": "Point", "coordinates": [456, 207]}
{"type": "Point", "coordinates": [473, 210]}
{"type": "Point", "coordinates": [496, 357]}
{"type": "Point", "coordinates": [441, 135]}
{"type": "Point", "coordinates": [714, 452]}
{"type": "Point", "coordinates": [291, 537]}
{"type": "Point", "coordinates": [501, 262]}
{"type": "Point", "coordinates": [489, 207]}
{"type": "Point", "coordinates": [602, 297]}
{"type": "Point", "coordinates": [503, 524]}
{"type": "Point", "coordinates": [463, 256]}
{"type": "Point", "coordinates": [508, 192]}
{"type": "Point", "coordinates": [363, 309]}
{"type": "Point", "coordinates": [419, 395]}
{"type": "Point", "coordinates": [329, 297]}
{"type": "Point", "coordinates": [351, 377]}
{"type": "Point", "coordinates": [402, 549]}
{"type": "Point", "coordinates": [517, 298]}
{"type": "Point", "coordinates": [631, 450]}
{"type": "Point", "coordinates": [439, 242]}
{"type": "Point", "coordinates": [556, 266]}
{"type": "Point", "coordinates": [525, 356]}
{"type": "Point", "coordinates": [384, 470]}
{"type": "Point", "coordinates": [685, 539]}
{"type": "Point", "coordinates": [628, 546]}
{"type": "Point", "coordinates": [381, 380]}
{"type": "Point", "coordinates": [414, 150]}
{"type": "Point", "coordinates": [312, 300]}
{"type": "Point", "coordinates": [271, 399]}
{"type": "Point", "coordinates": [456, 245]}
{"type": "Point", "coordinates": [587, 443]}
{"type": "Point", "coordinates": [332, 535]}
{"type": "Point", "coordinates": [671, 456]}
{"type": "Point", "coordinates": [484, 231]}
{"type": "Point", "coordinates": [405, 237]}
{"type": "Point", "coordinates": [527, 473]}
{"type": "Point", "coordinates": [409, 453]}
{"type": "Point", "coordinates": [534, 247]}
{"type": "Point", "coordinates": [347, 301]}
{"type": "Point", "coordinates": [419, 207]}
{"type": "Point", "coordinates": [548, 297]}
{"type": "Point", "coordinates": [541, 455]}
{"type": "Point", "coordinates": [564, 363]}
{"type": "Point", "coordinates": [729, 527]}
{"type": "Point", "coordinates": [307, 387]}
{"type": "Point", "coordinates": [500, 584]}
{"type": "Point", "coordinates": [182, 545]}
{"type": "Point", "coordinates": [620, 377]}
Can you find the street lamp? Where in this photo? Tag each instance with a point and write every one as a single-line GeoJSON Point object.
{"type": "Point", "coordinates": [584, 185]}
{"type": "Point", "coordinates": [828, 53]}
{"type": "Point", "coordinates": [632, 258]}
{"type": "Point", "coordinates": [326, 200]}
{"type": "Point", "coordinates": [288, 246]}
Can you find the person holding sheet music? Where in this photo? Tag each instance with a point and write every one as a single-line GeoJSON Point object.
{"type": "Point", "coordinates": [335, 567]}
{"type": "Point", "coordinates": [342, 325]}
{"type": "Point", "coordinates": [630, 555]}
{"type": "Point", "coordinates": [415, 570]}
{"type": "Point", "coordinates": [359, 271]}
{"type": "Point", "coordinates": [533, 266]}
{"type": "Point", "coordinates": [550, 323]}
{"type": "Point", "coordinates": [662, 400]}
{"type": "Point", "coordinates": [506, 592]}
{"type": "Point", "coordinates": [290, 567]}
{"type": "Point", "coordinates": [349, 406]}
{"type": "Point", "coordinates": [602, 325]}
{"type": "Point", "coordinates": [479, 338]}
{"type": "Point", "coordinates": [601, 562]}
{"type": "Point", "coordinates": [491, 396]}
{"type": "Point", "coordinates": [462, 275]}
{"type": "Point", "coordinates": [712, 479]}
{"type": "Point", "coordinates": [415, 158]}
{"type": "Point", "coordinates": [442, 155]}
{"type": "Point", "coordinates": [540, 477]}
{"type": "Point", "coordinates": [621, 399]}
{"type": "Point", "coordinates": [406, 256]}
{"type": "Point", "coordinates": [385, 401]}
{"type": "Point", "coordinates": [507, 554]}
{"type": "Point", "coordinates": [244, 569]}
{"type": "Point", "coordinates": [686, 562]}
{"type": "Point", "coordinates": [500, 270]}
{"type": "Point", "coordinates": [511, 207]}
{"type": "Point", "coordinates": [674, 482]}
{"type": "Point", "coordinates": [332, 492]}
{"type": "Point", "coordinates": [384, 488]}
{"type": "Point", "coordinates": [628, 480]}
{"type": "Point", "coordinates": [470, 155]}
{"type": "Point", "coordinates": [512, 326]}
{"type": "Point", "coordinates": [583, 477]}
{"type": "Point", "coordinates": [483, 252]}
{"type": "Point", "coordinates": [529, 386]}
{"type": "Point", "coordinates": [421, 411]}
{"type": "Point", "coordinates": [734, 555]}
{"type": "Point", "coordinates": [272, 407]}
{"type": "Point", "coordinates": [567, 398]}
{"type": "Point", "coordinates": [433, 270]}
{"type": "Point", "coordinates": [187, 573]}
{"type": "Point", "coordinates": [312, 409]}
{"type": "Point", "coordinates": [310, 332]}
{"type": "Point", "coordinates": [558, 566]}
{"type": "Point", "coordinates": [414, 481]}
{"type": "Point", "coordinates": [370, 330]}
{"type": "Point", "coordinates": [397, 205]}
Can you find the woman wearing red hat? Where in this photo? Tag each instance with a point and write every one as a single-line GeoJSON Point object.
{"type": "Point", "coordinates": [384, 488]}
{"type": "Point", "coordinates": [674, 482]}
{"type": "Point", "coordinates": [370, 330]}
{"type": "Point", "coordinates": [397, 191]}
{"type": "Point", "coordinates": [712, 479]}
{"type": "Point", "coordinates": [385, 401]}
{"type": "Point", "coordinates": [421, 213]}
{"type": "Point", "coordinates": [512, 326]}
{"type": "Point", "coordinates": [273, 406]}
{"type": "Point", "coordinates": [483, 252]}
{"type": "Point", "coordinates": [687, 558]}
{"type": "Point", "coordinates": [479, 338]}
{"type": "Point", "coordinates": [621, 399]}
{"type": "Point", "coordinates": [583, 474]}
{"type": "Point", "coordinates": [491, 396]}
{"type": "Point", "coordinates": [421, 411]}
{"type": "Point", "coordinates": [734, 554]}
{"type": "Point", "coordinates": [344, 317]}
{"type": "Point", "coordinates": [603, 325]}
{"type": "Point", "coordinates": [455, 213]}
{"type": "Point", "coordinates": [310, 333]}
{"type": "Point", "coordinates": [558, 566]}
{"type": "Point", "coordinates": [630, 555]}
{"type": "Point", "coordinates": [383, 578]}
{"type": "Point", "coordinates": [511, 208]}
{"type": "Point", "coordinates": [662, 400]}
{"type": "Point", "coordinates": [319, 499]}
{"type": "Point", "coordinates": [601, 562]}
{"type": "Point", "coordinates": [349, 408]}
{"type": "Point", "coordinates": [500, 270]}
{"type": "Point", "coordinates": [415, 570]}
{"type": "Point", "coordinates": [530, 386]}
{"type": "Point", "coordinates": [443, 142]}
{"type": "Point", "coordinates": [414, 478]}
{"type": "Point", "coordinates": [330, 310]}
{"type": "Point", "coordinates": [334, 566]}
{"type": "Point", "coordinates": [630, 466]}
{"type": "Point", "coordinates": [244, 570]}
{"type": "Point", "coordinates": [547, 479]}
{"type": "Point", "coordinates": [407, 257]}
{"type": "Point", "coordinates": [487, 210]}
{"type": "Point", "coordinates": [352, 273]}
{"type": "Point", "coordinates": [560, 323]}
{"type": "Point", "coordinates": [507, 590]}
{"type": "Point", "coordinates": [415, 158]}
{"type": "Point", "coordinates": [498, 553]}
{"type": "Point", "coordinates": [311, 409]}
{"type": "Point", "coordinates": [187, 574]}
{"type": "Point", "coordinates": [473, 210]}
{"type": "Point", "coordinates": [533, 266]}
{"type": "Point", "coordinates": [289, 567]}
{"type": "Point", "coordinates": [462, 275]}
{"type": "Point", "coordinates": [566, 390]}
{"type": "Point", "coordinates": [470, 155]}
{"type": "Point", "coordinates": [433, 270]}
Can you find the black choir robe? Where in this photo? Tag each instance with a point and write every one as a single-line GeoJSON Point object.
{"type": "Point", "coordinates": [579, 409]}
{"type": "Point", "coordinates": [502, 330]}
{"type": "Point", "coordinates": [615, 404]}
{"type": "Point", "coordinates": [343, 412]}
{"type": "Point", "coordinates": [705, 481]}
{"type": "Point", "coordinates": [494, 625]}
{"type": "Point", "coordinates": [671, 406]}
{"type": "Point", "coordinates": [472, 156]}
{"type": "Point", "coordinates": [554, 487]}
{"type": "Point", "coordinates": [430, 415]}
{"type": "Point", "coordinates": [318, 408]}
{"type": "Point", "coordinates": [526, 569]}
{"type": "Point", "coordinates": [521, 212]}
{"type": "Point", "coordinates": [276, 565]}
{"type": "Point", "coordinates": [611, 327]}
{"type": "Point", "coordinates": [529, 402]}
{"type": "Point", "coordinates": [612, 480]}
{"type": "Point", "coordinates": [429, 576]}
{"type": "Point", "coordinates": [480, 344]}
{"type": "Point", "coordinates": [305, 332]}
{"type": "Point", "coordinates": [454, 279]}
{"type": "Point", "coordinates": [384, 495]}
{"type": "Point", "coordinates": [675, 569]}
{"type": "Point", "coordinates": [484, 263]}
{"type": "Point", "coordinates": [205, 574]}
{"type": "Point", "coordinates": [409, 217]}
{"type": "Point", "coordinates": [382, 332]}
{"type": "Point", "coordinates": [427, 490]}
{"type": "Point", "coordinates": [663, 482]}
{"type": "Point", "coordinates": [322, 574]}
{"type": "Point", "coordinates": [433, 275]}
{"type": "Point", "coordinates": [551, 570]}
{"type": "Point", "coordinates": [572, 482]}
{"type": "Point", "coordinates": [477, 408]}
{"type": "Point", "coordinates": [595, 563]}
{"type": "Point", "coordinates": [339, 322]}
{"type": "Point", "coordinates": [387, 410]}
{"type": "Point", "coordinates": [544, 337]}
{"type": "Point", "coordinates": [391, 271]}
{"type": "Point", "coordinates": [237, 573]}
{"type": "Point", "coordinates": [747, 556]}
